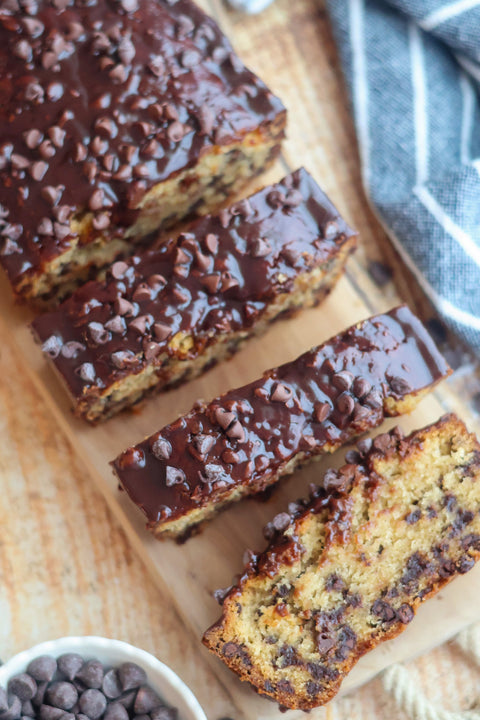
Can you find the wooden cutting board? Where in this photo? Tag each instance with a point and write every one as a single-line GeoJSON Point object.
{"type": "Point", "coordinates": [290, 46]}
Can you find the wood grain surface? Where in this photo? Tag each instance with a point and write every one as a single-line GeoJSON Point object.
{"type": "Point", "coordinates": [66, 564]}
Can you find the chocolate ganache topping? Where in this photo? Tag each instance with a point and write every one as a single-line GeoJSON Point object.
{"type": "Point", "coordinates": [217, 279]}
{"type": "Point", "coordinates": [312, 405]}
{"type": "Point", "coordinates": [100, 100]}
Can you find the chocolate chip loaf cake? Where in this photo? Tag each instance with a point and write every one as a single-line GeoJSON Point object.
{"type": "Point", "coordinates": [244, 441]}
{"type": "Point", "coordinates": [167, 315]}
{"type": "Point", "coordinates": [117, 117]}
{"type": "Point", "coordinates": [348, 568]}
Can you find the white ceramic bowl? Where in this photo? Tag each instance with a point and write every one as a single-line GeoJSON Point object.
{"type": "Point", "coordinates": [114, 652]}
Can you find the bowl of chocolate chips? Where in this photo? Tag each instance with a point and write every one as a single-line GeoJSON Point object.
{"type": "Point", "coordinates": [92, 678]}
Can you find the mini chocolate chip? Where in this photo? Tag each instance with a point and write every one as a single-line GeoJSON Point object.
{"type": "Point", "coordinates": [40, 694]}
{"type": "Point", "coordinates": [19, 162]}
{"type": "Point", "coordinates": [124, 172]}
{"type": "Point", "coordinates": [146, 700]}
{"type": "Point", "coordinates": [57, 135]}
{"type": "Point", "coordinates": [163, 713]}
{"type": "Point", "coordinates": [72, 348]}
{"type": "Point", "coordinates": [236, 432]}
{"type": "Point", "coordinates": [91, 674]}
{"type": "Point", "coordinates": [52, 346]}
{"type": "Point", "coordinates": [48, 712]}
{"type": "Point", "coordinates": [38, 170]}
{"type": "Point", "coordinates": [161, 448]}
{"type": "Point", "coordinates": [100, 335]}
{"type": "Point", "coordinates": [281, 393]}
{"type": "Point", "coordinates": [61, 231]}
{"type": "Point", "coordinates": [225, 216]}
{"type": "Point", "coordinates": [33, 138]}
{"type": "Point", "coordinates": [42, 668]}
{"type": "Point", "coordinates": [224, 418]}
{"type": "Point", "coordinates": [211, 241]}
{"type": "Point", "coordinates": [345, 403]}
{"type": "Point", "coordinates": [211, 282]}
{"type": "Point", "coordinates": [119, 269]}
{"type": "Point", "coordinates": [399, 385]}
{"type": "Point", "coordinates": [260, 248]}
{"type": "Point", "coordinates": [96, 200]}
{"type": "Point", "coordinates": [116, 711]}
{"type": "Point", "coordinates": [23, 686]}
{"type": "Point", "coordinates": [28, 710]}
{"type": "Point", "coordinates": [45, 227]}
{"type": "Point", "coordinates": [126, 50]}
{"type": "Point", "coordinates": [70, 664]}
{"type": "Point", "coordinates": [373, 400]}
{"type": "Point", "coordinates": [343, 380]}
{"type": "Point", "coordinates": [161, 331]}
{"type": "Point", "coordinates": [383, 610]}
{"type": "Point", "coordinates": [275, 199]}
{"type": "Point", "coordinates": [112, 688]}
{"type": "Point", "coordinates": [190, 58]}
{"type": "Point", "coordinates": [203, 443]}
{"type": "Point", "coordinates": [93, 703]}
{"type": "Point", "coordinates": [321, 411]}
{"type": "Point", "coordinates": [174, 476]}
{"type": "Point", "coordinates": [175, 131]}
{"type": "Point", "coordinates": [14, 708]}
{"type": "Point", "coordinates": [34, 93]}
{"type": "Point", "coordinates": [116, 325]}
{"type": "Point", "coordinates": [118, 73]}
{"type": "Point", "coordinates": [361, 387]}
{"type": "Point", "coordinates": [140, 324]}
{"type": "Point", "coordinates": [62, 695]}
{"type": "Point", "coordinates": [87, 372]}
{"type": "Point", "coordinates": [101, 221]}
{"type": "Point", "coordinates": [281, 521]}
{"type": "Point", "coordinates": [293, 199]}
{"type": "Point", "coordinates": [405, 613]}
{"type": "Point", "coordinates": [62, 213]}
{"type": "Point", "coordinates": [230, 457]}
{"type": "Point", "coordinates": [23, 50]}
{"type": "Point", "coordinates": [156, 65]}
{"type": "Point", "coordinates": [52, 194]}
{"type": "Point", "coordinates": [382, 442]}
{"type": "Point", "coordinates": [123, 359]}
{"type": "Point", "coordinates": [33, 27]}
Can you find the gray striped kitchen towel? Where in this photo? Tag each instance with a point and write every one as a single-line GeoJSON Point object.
{"type": "Point", "coordinates": [413, 71]}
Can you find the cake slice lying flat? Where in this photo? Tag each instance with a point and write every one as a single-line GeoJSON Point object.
{"type": "Point", "coordinates": [165, 316]}
{"type": "Point", "coordinates": [245, 440]}
{"type": "Point", "coordinates": [117, 118]}
{"type": "Point", "coordinates": [348, 568]}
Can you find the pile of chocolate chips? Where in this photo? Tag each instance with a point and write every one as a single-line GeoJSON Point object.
{"type": "Point", "coordinates": [72, 688]}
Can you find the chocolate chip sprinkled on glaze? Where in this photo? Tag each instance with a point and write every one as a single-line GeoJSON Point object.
{"type": "Point", "coordinates": [100, 71]}
{"type": "Point", "coordinates": [161, 448]}
{"type": "Point", "coordinates": [308, 403]}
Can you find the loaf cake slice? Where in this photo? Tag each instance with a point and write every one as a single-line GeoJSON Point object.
{"type": "Point", "coordinates": [244, 441]}
{"type": "Point", "coordinates": [117, 118]}
{"type": "Point", "coordinates": [348, 568]}
{"type": "Point", "coordinates": [167, 315]}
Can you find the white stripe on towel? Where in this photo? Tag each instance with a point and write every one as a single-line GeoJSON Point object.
{"type": "Point", "coordinates": [437, 17]}
{"type": "Point", "coordinates": [450, 226]}
{"type": "Point", "coordinates": [419, 103]}
{"type": "Point", "coordinates": [360, 85]}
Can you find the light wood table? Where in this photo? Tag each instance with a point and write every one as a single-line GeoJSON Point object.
{"type": "Point", "coordinates": [66, 566]}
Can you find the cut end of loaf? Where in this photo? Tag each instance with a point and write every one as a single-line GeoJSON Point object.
{"type": "Point", "coordinates": [353, 563]}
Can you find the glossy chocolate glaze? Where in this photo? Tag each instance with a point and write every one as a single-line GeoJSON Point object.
{"type": "Point", "coordinates": [311, 405]}
{"type": "Point", "coordinates": [101, 100]}
{"type": "Point", "coordinates": [217, 279]}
